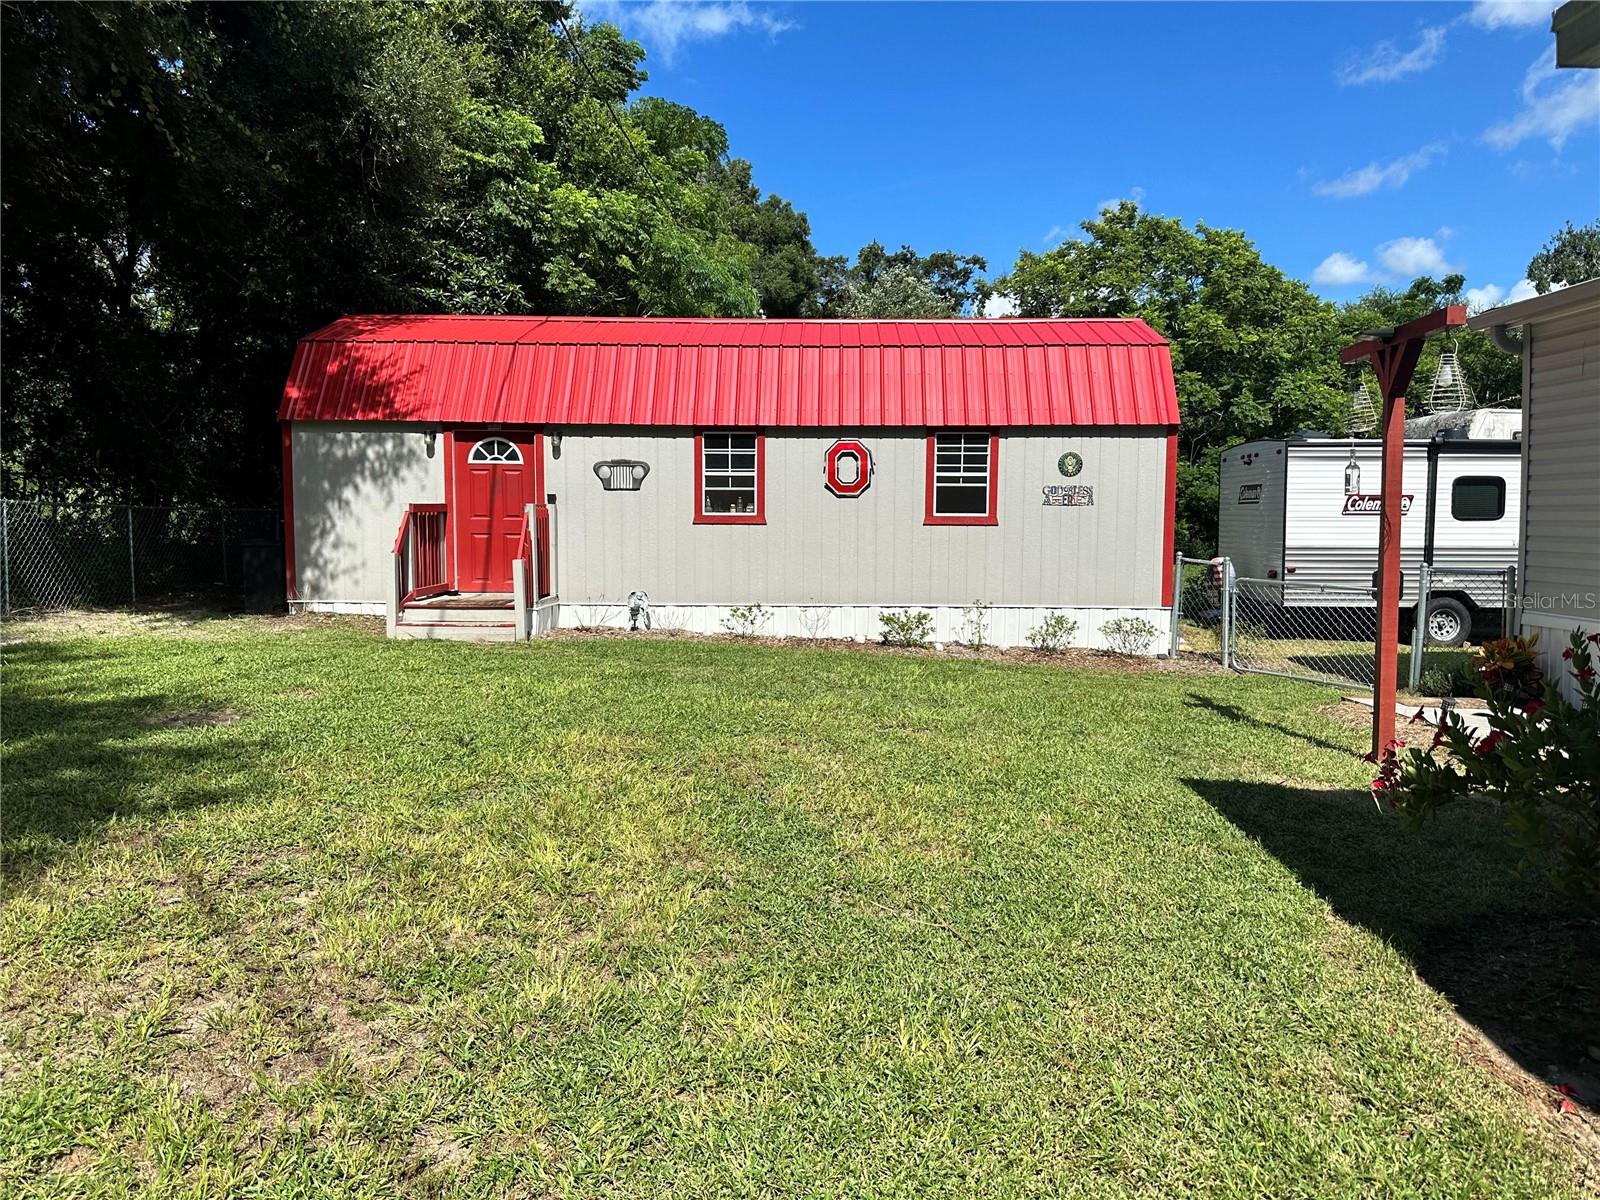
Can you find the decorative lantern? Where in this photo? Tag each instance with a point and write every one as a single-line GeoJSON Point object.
{"type": "Point", "coordinates": [1363, 416]}
{"type": "Point", "coordinates": [1450, 392]}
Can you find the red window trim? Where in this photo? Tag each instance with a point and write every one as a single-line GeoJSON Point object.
{"type": "Point", "coordinates": [759, 517]}
{"type": "Point", "coordinates": [992, 517]}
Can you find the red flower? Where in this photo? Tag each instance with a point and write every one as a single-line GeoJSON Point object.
{"type": "Point", "coordinates": [1532, 706]}
{"type": "Point", "coordinates": [1567, 654]}
{"type": "Point", "coordinates": [1487, 746]}
{"type": "Point", "coordinates": [1585, 674]}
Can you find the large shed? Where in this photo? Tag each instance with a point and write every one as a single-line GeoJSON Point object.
{"type": "Point", "coordinates": [512, 474]}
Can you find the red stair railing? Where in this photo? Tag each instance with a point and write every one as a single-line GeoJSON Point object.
{"type": "Point", "coordinates": [419, 553]}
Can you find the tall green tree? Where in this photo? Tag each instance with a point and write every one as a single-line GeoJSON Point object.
{"type": "Point", "coordinates": [952, 280]}
{"type": "Point", "coordinates": [1570, 256]}
{"type": "Point", "coordinates": [1255, 354]}
{"type": "Point", "coordinates": [188, 188]}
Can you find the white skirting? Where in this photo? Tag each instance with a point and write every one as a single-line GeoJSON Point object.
{"type": "Point", "coordinates": [1555, 632]}
{"type": "Point", "coordinates": [1006, 625]}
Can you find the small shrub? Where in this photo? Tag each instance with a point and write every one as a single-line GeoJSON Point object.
{"type": "Point", "coordinates": [1128, 635]}
{"type": "Point", "coordinates": [1437, 681]}
{"type": "Point", "coordinates": [814, 620]}
{"type": "Point", "coordinates": [907, 627]}
{"type": "Point", "coordinates": [1053, 633]}
{"type": "Point", "coordinates": [975, 625]}
{"type": "Point", "coordinates": [1540, 760]}
{"type": "Point", "coordinates": [746, 620]}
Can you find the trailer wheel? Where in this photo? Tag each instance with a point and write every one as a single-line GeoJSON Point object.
{"type": "Point", "coordinates": [1449, 622]}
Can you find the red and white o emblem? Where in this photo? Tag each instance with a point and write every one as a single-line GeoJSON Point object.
{"type": "Point", "coordinates": [847, 469]}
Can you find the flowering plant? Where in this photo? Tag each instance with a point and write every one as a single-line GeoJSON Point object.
{"type": "Point", "coordinates": [1540, 760]}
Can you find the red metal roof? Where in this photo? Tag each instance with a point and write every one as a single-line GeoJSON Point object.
{"type": "Point", "coordinates": [713, 372]}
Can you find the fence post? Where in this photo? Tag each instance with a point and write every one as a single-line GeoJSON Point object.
{"type": "Point", "coordinates": [1227, 613]}
{"type": "Point", "coordinates": [1419, 624]}
{"type": "Point", "coordinates": [1177, 603]}
{"type": "Point", "coordinates": [133, 587]}
{"type": "Point", "coordinates": [5, 551]}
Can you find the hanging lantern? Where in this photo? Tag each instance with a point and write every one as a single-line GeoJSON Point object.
{"type": "Point", "coordinates": [1363, 416]}
{"type": "Point", "coordinates": [1352, 475]}
{"type": "Point", "coordinates": [1450, 392]}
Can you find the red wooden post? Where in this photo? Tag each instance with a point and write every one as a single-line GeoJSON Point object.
{"type": "Point", "coordinates": [1394, 354]}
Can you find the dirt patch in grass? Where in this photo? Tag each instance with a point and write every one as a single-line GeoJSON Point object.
{"type": "Point", "coordinates": [188, 720]}
{"type": "Point", "coordinates": [1078, 660]}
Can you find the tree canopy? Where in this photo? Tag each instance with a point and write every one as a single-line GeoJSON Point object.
{"type": "Point", "coordinates": [1255, 354]}
{"type": "Point", "coordinates": [190, 188]}
{"type": "Point", "coordinates": [1571, 256]}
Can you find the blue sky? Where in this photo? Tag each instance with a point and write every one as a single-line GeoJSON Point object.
{"type": "Point", "coordinates": [1354, 143]}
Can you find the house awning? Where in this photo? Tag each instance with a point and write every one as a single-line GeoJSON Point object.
{"type": "Point", "coordinates": [742, 373]}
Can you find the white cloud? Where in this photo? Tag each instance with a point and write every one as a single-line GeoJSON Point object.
{"type": "Point", "coordinates": [1386, 62]}
{"type": "Point", "coordinates": [1496, 14]}
{"type": "Point", "coordinates": [1363, 181]}
{"type": "Point", "coordinates": [1341, 270]}
{"type": "Point", "coordinates": [1136, 195]}
{"type": "Point", "coordinates": [666, 25]}
{"type": "Point", "coordinates": [1491, 294]}
{"type": "Point", "coordinates": [1553, 107]}
{"type": "Point", "coordinates": [1056, 235]}
{"type": "Point", "coordinates": [1000, 304]}
{"type": "Point", "coordinates": [1409, 257]}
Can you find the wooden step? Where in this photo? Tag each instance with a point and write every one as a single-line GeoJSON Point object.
{"type": "Point", "coordinates": [458, 631]}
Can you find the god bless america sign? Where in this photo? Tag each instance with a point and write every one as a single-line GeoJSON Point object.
{"type": "Point", "coordinates": [1371, 506]}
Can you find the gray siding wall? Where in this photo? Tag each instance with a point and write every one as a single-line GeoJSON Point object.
{"type": "Point", "coordinates": [818, 548]}
{"type": "Point", "coordinates": [352, 482]}
{"type": "Point", "coordinates": [1561, 547]}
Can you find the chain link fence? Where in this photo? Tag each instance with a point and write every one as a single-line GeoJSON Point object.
{"type": "Point", "coordinates": [1456, 605]}
{"type": "Point", "coordinates": [1327, 633]}
{"type": "Point", "coordinates": [64, 555]}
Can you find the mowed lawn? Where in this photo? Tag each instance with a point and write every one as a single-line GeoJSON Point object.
{"type": "Point", "coordinates": [296, 911]}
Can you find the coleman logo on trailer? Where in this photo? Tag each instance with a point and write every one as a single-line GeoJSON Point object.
{"type": "Point", "coordinates": [1362, 505]}
{"type": "Point", "coordinates": [1249, 493]}
{"type": "Point", "coordinates": [847, 468]}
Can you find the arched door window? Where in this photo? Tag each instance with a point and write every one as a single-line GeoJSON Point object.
{"type": "Point", "coordinates": [495, 450]}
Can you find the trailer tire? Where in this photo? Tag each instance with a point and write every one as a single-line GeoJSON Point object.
{"type": "Point", "coordinates": [1449, 622]}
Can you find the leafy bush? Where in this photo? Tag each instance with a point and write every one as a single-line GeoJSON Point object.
{"type": "Point", "coordinates": [1540, 760]}
{"type": "Point", "coordinates": [1508, 665]}
{"type": "Point", "coordinates": [1053, 633]}
{"type": "Point", "coordinates": [1128, 635]}
{"type": "Point", "coordinates": [745, 620]}
{"type": "Point", "coordinates": [907, 628]}
{"type": "Point", "coordinates": [1459, 680]}
{"type": "Point", "coordinates": [975, 625]}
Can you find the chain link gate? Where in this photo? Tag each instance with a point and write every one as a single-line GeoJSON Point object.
{"type": "Point", "coordinates": [1301, 630]}
{"type": "Point", "coordinates": [62, 555]}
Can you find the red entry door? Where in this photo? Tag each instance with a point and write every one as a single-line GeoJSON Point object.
{"type": "Point", "coordinates": [495, 475]}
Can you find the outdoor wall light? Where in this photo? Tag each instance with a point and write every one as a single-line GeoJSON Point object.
{"type": "Point", "coordinates": [555, 445]}
{"type": "Point", "coordinates": [429, 437]}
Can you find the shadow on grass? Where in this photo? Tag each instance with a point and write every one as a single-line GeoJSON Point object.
{"type": "Point", "coordinates": [1513, 958]}
{"type": "Point", "coordinates": [1233, 712]}
{"type": "Point", "coordinates": [73, 765]}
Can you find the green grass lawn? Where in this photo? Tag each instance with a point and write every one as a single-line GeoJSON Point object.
{"type": "Point", "coordinates": [302, 912]}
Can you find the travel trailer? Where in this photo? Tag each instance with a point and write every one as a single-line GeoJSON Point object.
{"type": "Point", "coordinates": [1305, 510]}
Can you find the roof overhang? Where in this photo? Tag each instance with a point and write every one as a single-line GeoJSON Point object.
{"type": "Point", "coordinates": [1537, 308]}
{"type": "Point", "coordinates": [1576, 25]}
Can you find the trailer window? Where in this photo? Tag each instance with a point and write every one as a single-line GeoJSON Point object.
{"type": "Point", "coordinates": [961, 479]}
{"type": "Point", "coordinates": [1478, 498]}
{"type": "Point", "coordinates": [730, 483]}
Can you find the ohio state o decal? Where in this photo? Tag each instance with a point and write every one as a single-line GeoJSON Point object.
{"type": "Point", "coordinates": [847, 469]}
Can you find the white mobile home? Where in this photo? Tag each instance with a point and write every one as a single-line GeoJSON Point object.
{"type": "Point", "coordinates": [1559, 567]}
{"type": "Point", "coordinates": [512, 475]}
{"type": "Point", "coordinates": [1305, 509]}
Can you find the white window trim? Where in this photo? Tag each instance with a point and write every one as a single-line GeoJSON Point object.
{"type": "Point", "coordinates": [752, 472]}
{"type": "Point", "coordinates": [476, 458]}
{"type": "Point", "coordinates": [962, 475]}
